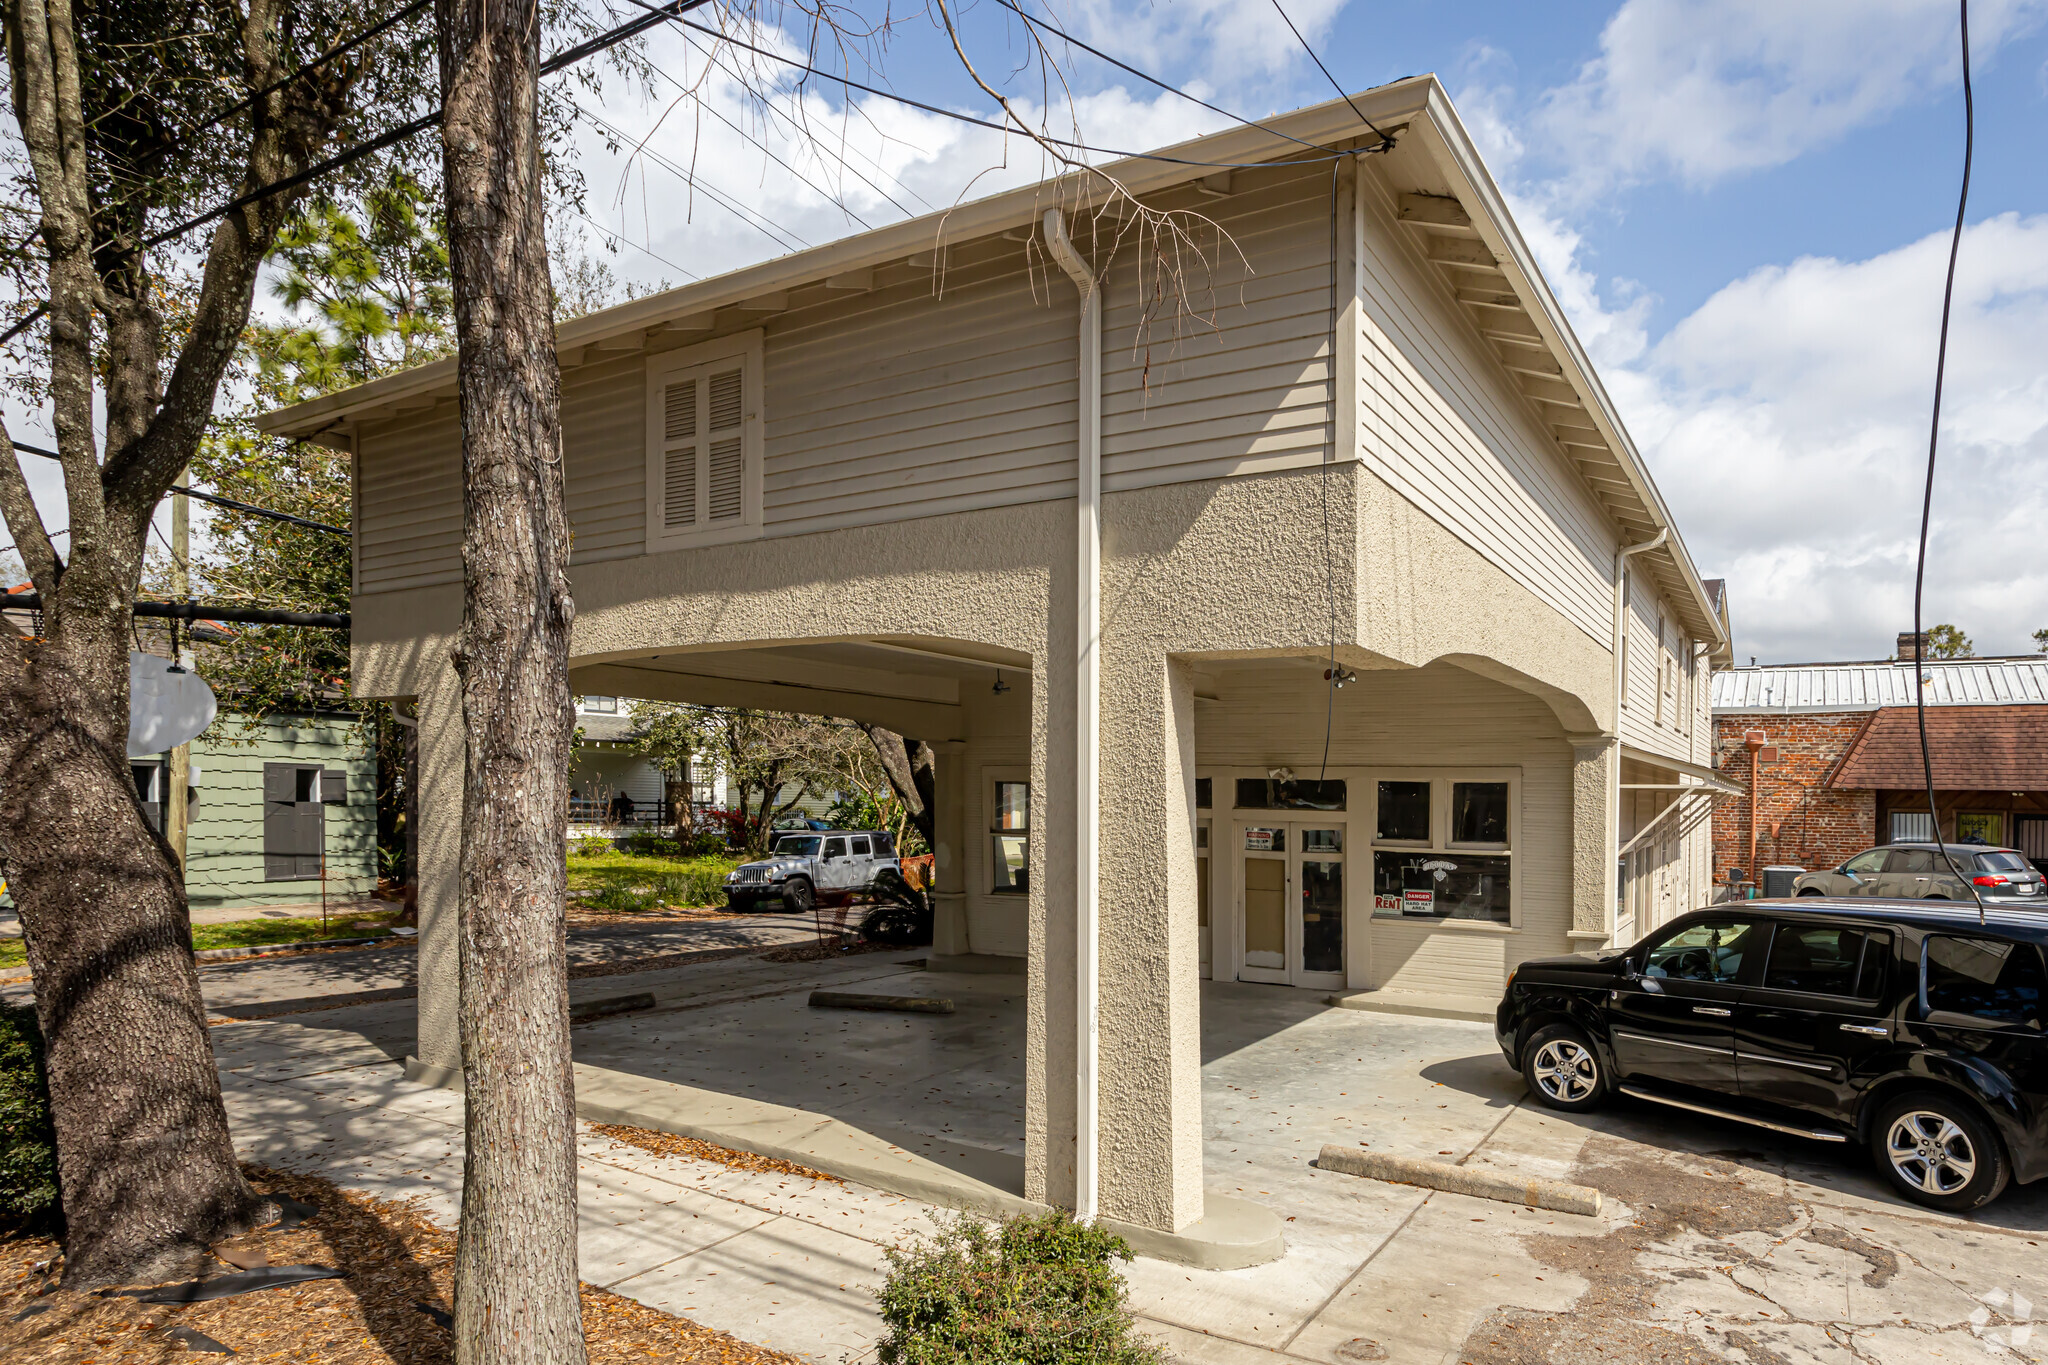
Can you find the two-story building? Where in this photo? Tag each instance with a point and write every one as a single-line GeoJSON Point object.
{"type": "Point", "coordinates": [1340, 641]}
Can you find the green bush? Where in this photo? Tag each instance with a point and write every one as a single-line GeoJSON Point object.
{"type": "Point", "coordinates": [593, 846]}
{"type": "Point", "coordinates": [699, 885]}
{"type": "Point", "coordinates": [28, 1143]}
{"type": "Point", "coordinates": [1032, 1291]}
{"type": "Point", "coordinates": [650, 845]}
{"type": "Point", "coordinates": [620, 895]}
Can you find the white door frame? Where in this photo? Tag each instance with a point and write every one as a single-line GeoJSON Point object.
{"type": "Point", "coordinates": [1294, 822]}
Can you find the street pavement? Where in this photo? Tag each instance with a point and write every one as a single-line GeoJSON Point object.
{"type": "Point", "coordinates": [1718, 1242]}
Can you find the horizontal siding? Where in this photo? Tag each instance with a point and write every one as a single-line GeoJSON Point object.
{"type": "Point", "coordinates": [899, 403]}
{"type": "Point", "coordinates": [224, 853]}
{"type": "Point", "coordinates": [1245, 383]}
{"type": "Point", "coordinates": [1443, 424]}
{"type": "Point", "coordinates": [408, 495]}
{"type": "Point", "coordinates": [604, 458]}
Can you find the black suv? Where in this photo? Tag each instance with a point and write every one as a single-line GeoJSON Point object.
{"type": "Point", "coordinates": [1900, 1024]}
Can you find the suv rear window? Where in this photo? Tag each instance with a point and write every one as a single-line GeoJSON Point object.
{"type": "Point", "coordinates": [1828, 959]}
{"type": "Point", "coordinates": [2003, 861]}
{"type": "Point", "coordinates": [1982, 977]}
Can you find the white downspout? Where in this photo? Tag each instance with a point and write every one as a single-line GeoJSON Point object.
{"type": "Point", "coordinates": [1087, 692]}
{"type": "Point", "coordinates": [1621, 558]}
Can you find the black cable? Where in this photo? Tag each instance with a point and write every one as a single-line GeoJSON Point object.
{"type": "Point", "coordinates": [785, 238]}
{"type": "Point", "coordinates": [1069, 38]}
{"type": "Point", "coordinates": [214, 498]}
{"type": "Point", "coordinates": [1387, 141]}
{"type": "Point", "coordinates": [1948, 290]}
{"type": "Point", "coordinates": [969, 119]}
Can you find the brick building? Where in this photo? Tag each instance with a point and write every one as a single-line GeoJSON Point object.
{"type": "Point", "coordinates": [1835, 755]}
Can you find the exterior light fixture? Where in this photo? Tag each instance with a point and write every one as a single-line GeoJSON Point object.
{"type": "Point", "coordinates": [1339, 676]}
{"type": "Point", "coordinates": [1001, 686]}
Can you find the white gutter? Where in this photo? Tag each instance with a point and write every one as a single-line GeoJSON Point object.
{"type": "Point", "coordinates": [1087, 694]}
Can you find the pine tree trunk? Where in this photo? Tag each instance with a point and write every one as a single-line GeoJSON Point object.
{"type": "Point", "coordinates": [145, 1160]}
{"type": "Point", "coordinates": [516, 1296]}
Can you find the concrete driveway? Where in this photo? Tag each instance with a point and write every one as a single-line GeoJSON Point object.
{"type": "Point", "coordinates": [1720, 1242]}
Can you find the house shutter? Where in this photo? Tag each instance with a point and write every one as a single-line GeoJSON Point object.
{"type": "Point", "coordinates": [681, 450]}
{"type": "Point", "coordinates": [727, 455]}
{"type": "Point", "coordinates": [333, 787]}
{"type": "Point", "coordinates": [312, 838]}
{"type": "Point", "coordinates": [280, 821]}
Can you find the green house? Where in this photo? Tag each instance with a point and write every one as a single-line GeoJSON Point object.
{"type": "Point", "coordinates": [277, 811]}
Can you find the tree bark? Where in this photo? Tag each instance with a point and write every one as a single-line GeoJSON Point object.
{"type": "Point", "coordinates": [909, 765]}
{"type": "Point", "coordinates": [145, 1160]}
{"type": "Point", "coordinates": [516, 1291]}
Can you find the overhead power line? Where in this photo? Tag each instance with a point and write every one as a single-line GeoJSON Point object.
{"type": "Point", "coordinates": [1328, 77]}
{"type": "Point", "coordinates": [215, 498]}
{"type": "Point", "coordinates": [204, 611]}
{"type": "Point", "coordinates": [1948, 291]}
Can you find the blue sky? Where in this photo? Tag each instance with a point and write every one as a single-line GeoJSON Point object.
{"type": "Point", "coordinates": [1743, 206]}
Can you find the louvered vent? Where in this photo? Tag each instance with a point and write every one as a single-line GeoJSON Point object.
{"type": "Point", "coordinates": [727, 464]}
{"type": "Point", "coordinates": [679, 488]}
{"type": "Point", "coordinates": [681, 401]}
{"type": "Point", "coordinates": [726, 408]}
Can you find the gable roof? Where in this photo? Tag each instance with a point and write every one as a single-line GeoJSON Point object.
{"type": "Point", "coordinates": [1445, 190]}
{"type": "Point", "coordinates": [1782, 689]}
{"type": "Point", "coordinates": [1982, 748]}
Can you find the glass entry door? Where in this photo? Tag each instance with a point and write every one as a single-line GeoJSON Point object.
{"type": "Point", "coordinates": [1291, 904]}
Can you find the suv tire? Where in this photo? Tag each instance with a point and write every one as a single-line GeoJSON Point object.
{"type": "Point", "coordinates": [799, 896]}
{"type": "Point", "coordinates": [1563, 1070]}
{"type": "Point", "coordinates": [1939, 1151]}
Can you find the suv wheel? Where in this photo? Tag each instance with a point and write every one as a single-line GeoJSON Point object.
{"type": "Point", "coordinates": [1562, 1069]}
{"type": "Point", "coordinates": [798, 896]}
{"type": "Point", "coordinates": [1940, 1152]}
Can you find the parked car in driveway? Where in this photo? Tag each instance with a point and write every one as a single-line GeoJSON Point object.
{"type": "Point", "coordinates": [1919, 872]}
{"type": "Point", "coordinates": [804, 867]}
{"type": "Point", "coordinates": [1898, 1024]}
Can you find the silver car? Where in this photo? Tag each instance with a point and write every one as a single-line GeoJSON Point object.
{"type": "Point", "coordinates": [806, 866]}
{"type": "Point", "coordinates": [1918, 872]}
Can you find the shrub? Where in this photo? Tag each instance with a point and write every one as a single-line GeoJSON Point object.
{"type": "Point", "coordinates": [592, 846]}
{"type": "Point", "coordinates": [695, 885]}
{"type": "Point", "coordinates": [650, 845]}
{"type": "Point", "coordinates": [1032, 1291]}
{"type": "Point", "coordinates": [619, 895]}
{"type": "Point", "coordinates": [28, 1142]}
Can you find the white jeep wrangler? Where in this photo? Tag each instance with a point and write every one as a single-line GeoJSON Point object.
{"type": "Point", "coordinates": [805, 866]}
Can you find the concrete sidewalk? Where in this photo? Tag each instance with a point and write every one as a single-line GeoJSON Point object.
{"type": "Point", "coordinates": [1718, 1242]}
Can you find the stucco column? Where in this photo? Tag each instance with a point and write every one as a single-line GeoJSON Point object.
{"type": "Point", "coordinates": [1150, 1095]}
{"type": "Point", "coordinates": [440, 852]}
{"type": "Point", "coordinates": [949, 860]}
{"type": "Point", "coordinates": [1596, 827]}
{"type": "Point", "coordinates": [1049, 1007]}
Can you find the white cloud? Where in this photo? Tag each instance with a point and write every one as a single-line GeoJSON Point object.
{"type": "Point", "coordinates": [1239, 48]}
{"type": "Point", "coordinates": [1786, 421]}
{"type": "Point", "coordinates": [1703, 90]}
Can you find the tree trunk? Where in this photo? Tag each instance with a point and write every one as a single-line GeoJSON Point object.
{"type": "Point", "coordinates": [516, 1292]}
{"type": "Point", "coordinates": [145, 1161]}
{"type": "Point", "coordinates": [910, 767]}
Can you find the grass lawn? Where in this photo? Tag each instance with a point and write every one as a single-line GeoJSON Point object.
{"type": "Point", "coordinates": [257, 933]}
{"type": "Point", "coordinates": [638, 881]}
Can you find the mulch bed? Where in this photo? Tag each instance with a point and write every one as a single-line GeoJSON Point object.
{"type": "Point", "coordinates": [670, 1144]}
{"type": "Point", "coordinates": [819, 952]}
{"type": "Point", "coordinates": [396, 1259]}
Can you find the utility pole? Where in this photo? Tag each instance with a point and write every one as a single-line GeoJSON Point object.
{"type": "Point", "coordinates": [178, 770]}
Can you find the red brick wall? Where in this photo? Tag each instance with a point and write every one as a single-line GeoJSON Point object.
{"type": "Point", "coordinates": [1800, 820]}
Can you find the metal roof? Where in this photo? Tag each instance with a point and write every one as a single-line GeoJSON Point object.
{"type": "Point", "coordinates": [1783, 689]}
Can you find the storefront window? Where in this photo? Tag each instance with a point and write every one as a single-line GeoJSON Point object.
{"type": "Point", "coordinates": [1479, 813]}
{"type": "Point", "coordinates": [1260, 793]}
{"type": "Point", "coordinates": [1444, 878]}
{"type": "Point", "coordinates": [1404, 812]}
{"type": "Point", "coordinates": [1985, 826]}
{"type": "Point", "coordinates": [1203, 786]}
{"type": "Point", "coordinates": [1009, 838]}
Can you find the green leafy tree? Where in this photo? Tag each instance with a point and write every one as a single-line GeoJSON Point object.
{"type": "Point", "coordinates": [2041, 640]}
{"type": "Point", "coordinates": [1948, 642]}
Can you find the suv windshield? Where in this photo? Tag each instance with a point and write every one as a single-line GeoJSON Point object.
{"type": "Point", "coordinates": [2003, 862]}
{"type": "Point", "coordinates": [797, 846]}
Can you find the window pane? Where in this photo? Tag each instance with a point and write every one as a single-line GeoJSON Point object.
{"type": "Point", "coordinates": [797, 846]}
{"type": "Point", "coordinates": [860, 846]}
{"type": "Point", "coordinates": [1322, 841]}
{"type": "Point", "coordinates": [1704, 952]}
{"type": "Point", "coordinates": [885, 845]}
{"type": "Point", "coordinates": [1479, 812]}
{"type": "Point", "coordinates": [307, 785]}
{"type": "Point", "coordinates": [1877, 967]}
{"type": "Point", "coordinates": [1819, 959]}
{"type": "Point", "coordinates": [1404, 811]}
{"type": "Point", "coordinates": [1322, 916]}
{"type": "Point", "coordinates": [835, 848]}
{"type": "Point", "coordinates": [1909, 827]}
{"type": "Point", "coordinates": [1983, 977]}
{"type": "Point", "coordinates": [1438, 886]}
{"type": "Point", "coordinates": [1013, 805]}
{"type": "Point", "coordinates": [1012, 862]}
{"type": "Point", "coordinates": [1910, 860]}
{"type": "Point", "coordinates": [1863, 864]}
{"type": "Point", "coordinates": [1259, 793]}
{"type": "Point", "coordinates": [1265, 841]}
{"type": "Point", "coordinates": [2001, 862]}
{"type": "Point", "coordinates": [1203, 788]}
{"type": "Point", "coordinates": [1202, 892]}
